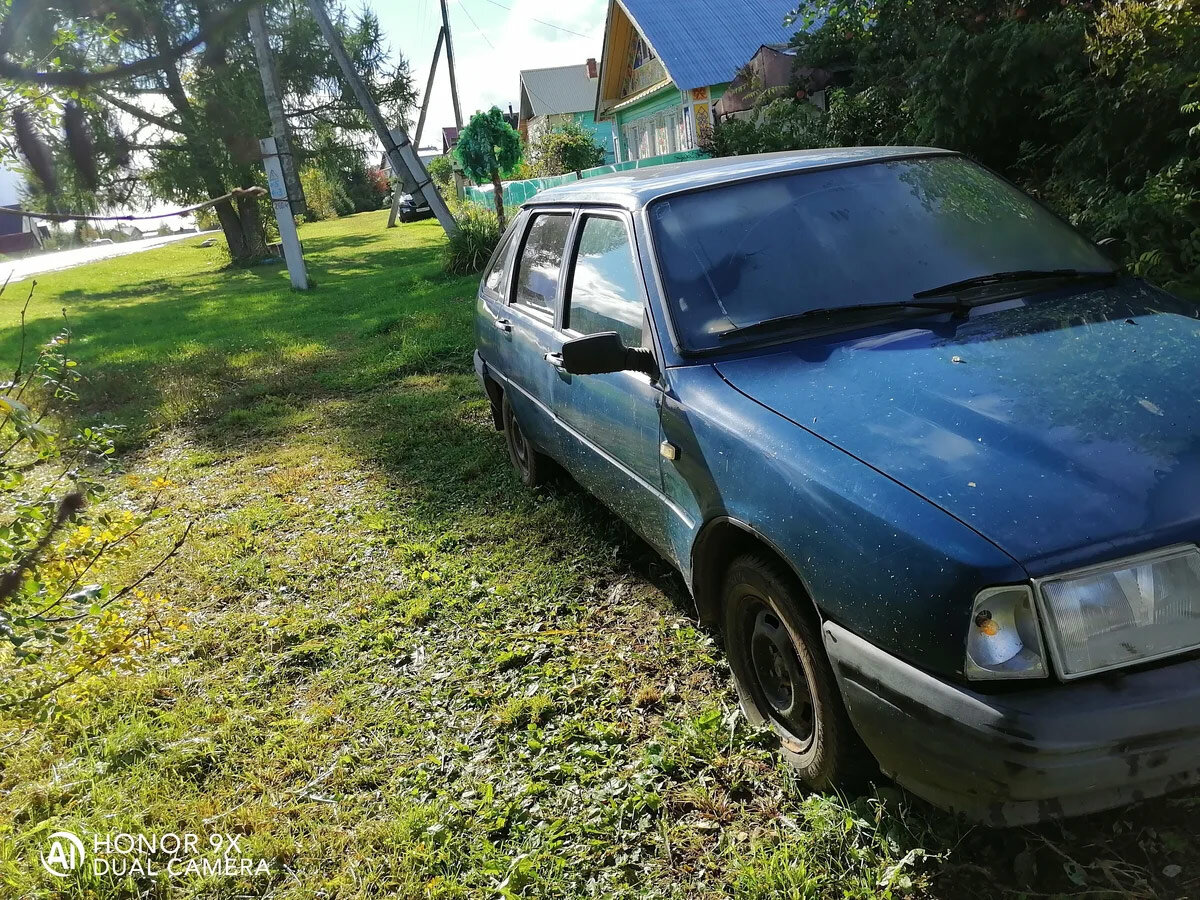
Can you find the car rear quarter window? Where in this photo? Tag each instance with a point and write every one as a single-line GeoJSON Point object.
{"type": "Point", "coordinates": [541, 259]}
{"type": "Point", "coordinates": [605, 295]}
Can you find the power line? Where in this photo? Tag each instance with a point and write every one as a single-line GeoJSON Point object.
{"type": "Point", "coordinates": [539, 21]}
{"type": "Point", "coordinates": [235, 194]}
{"type": "Point", "coordinates": [483, 34]}
{"type": "Point", "coordinates": [471, 18]}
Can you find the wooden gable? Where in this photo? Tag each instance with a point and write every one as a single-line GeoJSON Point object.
{"type": "Point", "coordinates": [620, 80]}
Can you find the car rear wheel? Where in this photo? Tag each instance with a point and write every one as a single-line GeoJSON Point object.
{"type": "Point", "coordinates": [529, 463]}
{"type": "Point", "coordinates": [783, 677]}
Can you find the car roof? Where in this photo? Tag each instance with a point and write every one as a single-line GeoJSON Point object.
{"type": "Point", "coordinates": [635, 188]}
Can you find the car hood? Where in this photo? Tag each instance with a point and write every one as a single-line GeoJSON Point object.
{"type": "Point", "coordinates": [1064, 428]}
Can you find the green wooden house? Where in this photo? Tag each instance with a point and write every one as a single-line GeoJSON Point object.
{"type": "Point", "coordinates": [666, 62]}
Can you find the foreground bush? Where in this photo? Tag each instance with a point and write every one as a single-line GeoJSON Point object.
{"type": "Point", "coordinates": [478, 233]}
{"type": "Point", "coordinates": [61, 618]}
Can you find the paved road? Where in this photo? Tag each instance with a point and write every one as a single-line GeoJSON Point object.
{"type": "Point", "coordinates": [28, 266]}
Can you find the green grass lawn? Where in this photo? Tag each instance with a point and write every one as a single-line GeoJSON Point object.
{"type": "Point", "coordinates": [408, 676]}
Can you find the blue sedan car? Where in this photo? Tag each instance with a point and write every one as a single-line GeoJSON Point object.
{"type": "Point", "coordinates": [924, 454]}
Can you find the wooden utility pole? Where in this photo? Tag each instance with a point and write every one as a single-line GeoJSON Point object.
{"type": "Point", "coordinates": [437, 52]}
{"type": "Point", "coordinates": [401, 153]}
{"type": "Point", "coordinates": [274, 97]}
{"type": "Point", "coordinates": [450, 63]}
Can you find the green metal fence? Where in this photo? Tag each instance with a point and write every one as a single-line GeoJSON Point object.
{"type": "Point", "coordinates": [517, 192]}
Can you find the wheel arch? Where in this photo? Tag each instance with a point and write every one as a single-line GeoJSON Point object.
{"type": "Point", "coordinates": [721, 540]}
{"type": "Point", "coordinates": [495, 395]}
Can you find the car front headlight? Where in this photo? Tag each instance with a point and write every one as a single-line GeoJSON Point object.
{"type": "Point", "coordinates": [1004, 640]}
{"type": "Point", "coordinates": [1133, 611]}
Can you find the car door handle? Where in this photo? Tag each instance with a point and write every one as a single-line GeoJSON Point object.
{"type": "Point", "coordinates": [555, 359]}
{"type": "Point", "coordinates": [503, 325]}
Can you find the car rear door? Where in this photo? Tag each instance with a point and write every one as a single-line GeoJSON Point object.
{"type": "Point", "coordinates": [530, 334]}
{"type": "Point", "coordinates": [611, 421]}
{"type": "Point", "coordinates": [493, 327]}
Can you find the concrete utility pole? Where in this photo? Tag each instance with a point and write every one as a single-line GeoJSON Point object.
{"type": "Point", "coordinates": [401, 153]}
{"type": "Point", "coordinates": [437, 52]}
{"type": "Point", "coordinates": [276, 184]}
{"type": "Point", "coordinates": [450, 63]}
{"type": "Point", "coordinates": [274, 97]}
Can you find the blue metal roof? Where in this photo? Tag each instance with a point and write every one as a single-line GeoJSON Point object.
{"type": "Point", "coordinates": [703, 42]}
{"type": "Point", "coordinates": [634, 188]}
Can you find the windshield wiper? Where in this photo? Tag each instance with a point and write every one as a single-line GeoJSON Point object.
{"type": "Point", "coordinates": [1018, 275]}
{"type": "Point", "coordinates": [828, 312]}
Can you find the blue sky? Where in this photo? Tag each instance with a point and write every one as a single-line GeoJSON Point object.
{"type": "Point", "coordinates": [492, 44]}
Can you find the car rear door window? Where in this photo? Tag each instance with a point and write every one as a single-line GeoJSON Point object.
{"type": "Point", "coordinates": [541, 259]}
{"type": "Point", "coordinates": [494, 279]}
{"type": "Point", "coordinates": [605, 290]}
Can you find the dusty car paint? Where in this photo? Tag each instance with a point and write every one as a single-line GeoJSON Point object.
{"type": "Point", "coordinates": [900, 469]}
{"type": "Point", "coordinates": [1066, 429]}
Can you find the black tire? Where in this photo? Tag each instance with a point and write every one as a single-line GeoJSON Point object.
{"type": "Point", "coordinates": [783, 677]}
{"type": "Point", "coordinates": [529, 463]}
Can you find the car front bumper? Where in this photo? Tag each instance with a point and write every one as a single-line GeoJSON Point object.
{"type": "Point", "coordinates": [1024, 756]}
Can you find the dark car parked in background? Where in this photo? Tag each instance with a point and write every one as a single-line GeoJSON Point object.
{"type": "Point", "coordinates": [929, 459]}
{"type": "Point", "coordinates": [413, 209]}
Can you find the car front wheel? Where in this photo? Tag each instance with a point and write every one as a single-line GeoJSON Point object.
{"type": "Point", "coordinates": [530, 464]}
{"type": "Point", "coordinates": [783, 677]}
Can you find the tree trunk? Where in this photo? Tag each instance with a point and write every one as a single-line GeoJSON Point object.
{"type": "Point", "coordinates": [498, 197]}
{"type": "Point", "coordinates": [244, 248]}
{"type": "Point", "coordinates": [250, 217]}
{"type": "Point", "coordinates": [231, 225]}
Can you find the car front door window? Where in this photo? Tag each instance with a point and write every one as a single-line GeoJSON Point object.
{"type": "Point", "coordinates": [604, 287]}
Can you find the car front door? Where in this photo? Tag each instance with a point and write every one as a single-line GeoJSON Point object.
{"type": "Point", "coordinates": [611, 421]}
{"type": "Point", "coordinates": [528, 325]}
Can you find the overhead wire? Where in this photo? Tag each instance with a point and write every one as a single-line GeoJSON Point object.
{"type": "Point", "coordinates": [540, 21]}
{"type": "Point", "coordinates": [234, 194]}
{"type": "Point", "coordinates": [483, 34]}
{"type": "Point", "coordinates": [471, 18]}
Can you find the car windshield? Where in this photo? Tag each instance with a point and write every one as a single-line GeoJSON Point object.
{"type": "Point", "coordinates": [750, 251]}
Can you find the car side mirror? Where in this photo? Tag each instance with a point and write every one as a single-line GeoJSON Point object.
{"type": "Point", "coordinates": [1112, 248]}
{"type": "Point", "coordinates": [598, 354]}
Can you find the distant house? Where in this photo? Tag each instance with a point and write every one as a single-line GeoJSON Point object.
{"type": "Point", "coordinates": [552, 97]}
{"type": "Point", "coordinates": [17, 232]}
{"type": "Point", "coordinates": [666, 62]}
{"type": "Point", "coordinates": [131, 231]}
{"type": "Point", "coordinates": [425, 154]}
{"type": "Point", "coordinates": [772, 74]}
{"type": "Point", "coordinates": [767, 76]}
